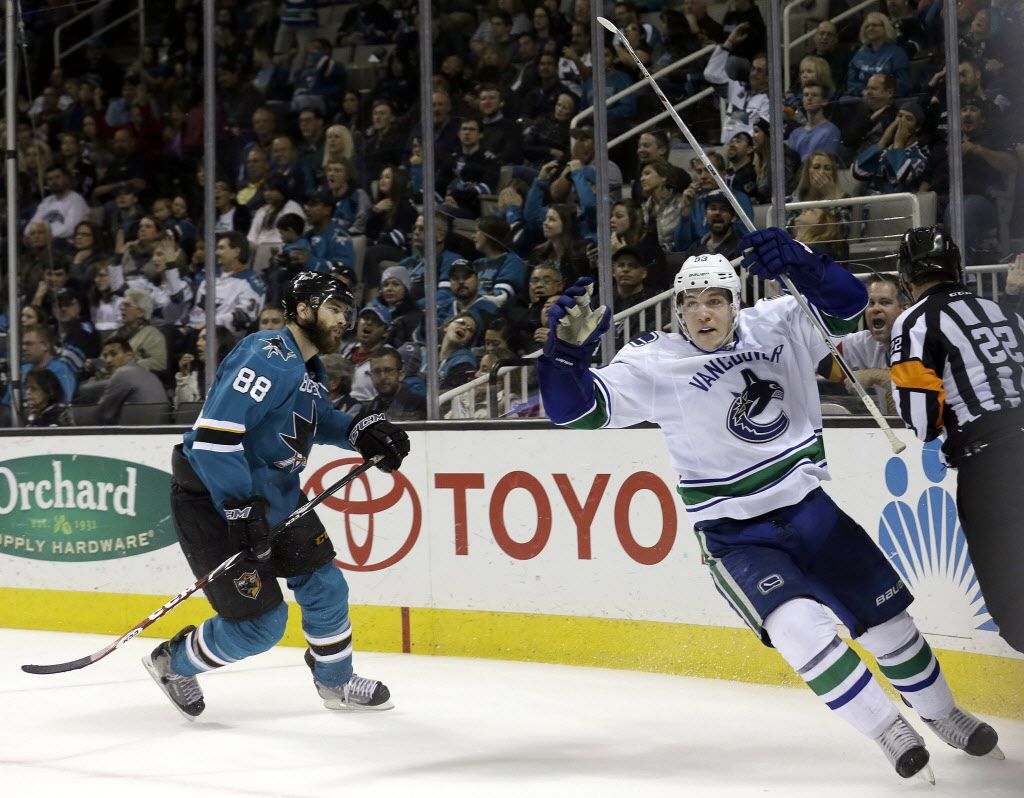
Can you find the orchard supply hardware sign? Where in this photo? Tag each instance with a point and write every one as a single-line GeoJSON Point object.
{"type": "Point", "coordinates": [78, 508]}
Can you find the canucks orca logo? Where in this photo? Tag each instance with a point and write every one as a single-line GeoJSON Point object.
{"type": "Point", "coordinates": [928, 548]}
{"type": "Point", "coordinates": [276, 346]}
{"type": "Point", "coordinates": [752, 402]}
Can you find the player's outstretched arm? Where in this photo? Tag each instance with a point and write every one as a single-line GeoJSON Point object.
{"type": "Point", "coordinates": [772, 252]}
{"type": "Point", "coordinates": [575, 329]}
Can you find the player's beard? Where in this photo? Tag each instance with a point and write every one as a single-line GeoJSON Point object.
{"type": "Point", "coordinates": [322, 337]}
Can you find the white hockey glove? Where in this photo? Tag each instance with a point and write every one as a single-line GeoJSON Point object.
{"type": "Point", "coordinates": [576, 328]}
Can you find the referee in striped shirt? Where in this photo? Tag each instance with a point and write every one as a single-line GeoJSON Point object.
{"type": "Point", "coordinates": [957, 365]}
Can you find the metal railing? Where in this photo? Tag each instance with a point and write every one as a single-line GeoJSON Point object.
{"type": "Point", "coordinates": [633, 131]}
{"type": "Point", "coordinates": [788, 45]}
{"type": "Point", "coordinates": [640, 84]}
{"type": "Point", "coordinates": [139, 11]}
{"type": "Point", "coordinates": [496, 395]}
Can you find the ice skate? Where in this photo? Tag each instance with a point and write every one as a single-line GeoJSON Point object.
{"type": "Point", "coordinates": [184, 691]}
{"type": "Point", "coordinates": [905, 750]}
{"type": "Point", "coordinates": [960, 729]}
{"type": "Point", "coordinates": [356, 694]}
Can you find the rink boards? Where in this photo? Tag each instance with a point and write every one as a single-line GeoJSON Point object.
{"type": "Point", "coordinates": [508, 542]}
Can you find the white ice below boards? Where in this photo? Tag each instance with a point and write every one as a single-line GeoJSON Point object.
{"type": "Point", "coordinates": [460, 727]}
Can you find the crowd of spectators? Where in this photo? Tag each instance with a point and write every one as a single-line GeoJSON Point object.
{"type": "Point", "coordinates": [320, 167]}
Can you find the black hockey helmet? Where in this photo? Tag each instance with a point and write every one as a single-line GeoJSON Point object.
{"type": "Point", "coordinates": [314, 289]}
{"type": "Point", "coordinates": [928, 252]}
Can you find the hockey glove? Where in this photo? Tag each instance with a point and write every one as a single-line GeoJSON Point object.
{"type": "Point", "coordinates": [248, 518]}
{"type": "Point", "coordinates": [372, 434]}
{"type": "Point", "coordinates": [770, 253]}
{"type": "Point", "coordinates": [576, 328]}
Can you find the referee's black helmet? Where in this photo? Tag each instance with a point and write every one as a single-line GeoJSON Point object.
{"type": "Point", "coordinates": [928, 253]}
{"type": "Point", "coordinates": [314, 289]}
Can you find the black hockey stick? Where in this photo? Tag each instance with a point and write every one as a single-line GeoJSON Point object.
{"type": "Point", "coordinates": [75, 664]}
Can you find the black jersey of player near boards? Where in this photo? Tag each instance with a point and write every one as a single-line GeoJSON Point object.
{"type": "Point", "coordinates": [957, 361]}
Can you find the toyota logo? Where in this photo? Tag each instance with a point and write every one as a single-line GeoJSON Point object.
{"type": "Point", "coordinates": [370, 506]}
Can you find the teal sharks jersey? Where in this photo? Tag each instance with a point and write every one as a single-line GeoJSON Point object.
{"type": "Point", "coordinates": [263, 414]}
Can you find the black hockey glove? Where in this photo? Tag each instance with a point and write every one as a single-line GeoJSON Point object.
{"type": "Point", "coordinates": [249, 517]}
{"type": "Point", "coordinates": [372, 434]}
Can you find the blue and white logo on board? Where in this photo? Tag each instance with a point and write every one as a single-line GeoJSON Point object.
{"type": "Point", "coordinates": [926, 545]}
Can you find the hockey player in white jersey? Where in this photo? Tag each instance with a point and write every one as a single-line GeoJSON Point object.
{"type": "Point", "coordinates": [736, 399]}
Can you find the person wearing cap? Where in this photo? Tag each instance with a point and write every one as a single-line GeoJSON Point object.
{"type": "Point", "coordinates": [629, 273]}
{"type": "Point", "coordinates": [721, 237]}
{"type": "Point", "coordinates": [396, 295]}
{"type": "Point", "coordinates": [466, 296]}
{"type": "Point", "coordinates": [693, 218]}
{"type": "Point", "coordinates": [330, 243]}
{"type": "Point", "coordinates": [899, 162]}
{"type": "Point", "coordinates": [123, 219]}
{"type": "Point", "coordinates": [989, 163]}
{"type": "Point", "coordinates": [263, 229]}
{"type": "Point", "coordinates": [372, 326]}
{"type": "Point", "coordinates": [579, 173]}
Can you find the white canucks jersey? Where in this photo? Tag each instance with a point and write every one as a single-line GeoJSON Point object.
{"type": "Point", "coordinates": [742, 425]}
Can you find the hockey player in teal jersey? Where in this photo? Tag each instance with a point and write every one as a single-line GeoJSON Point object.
{"type": "Point", "coordinates": [236, 475]}
{"type": "Point", "coordinates": [736, 399]}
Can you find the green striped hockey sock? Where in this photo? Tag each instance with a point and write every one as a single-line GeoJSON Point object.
{"type": "Point", "coordinates": [913, 670]}
{"type": "Point", "coordinates": [841, 679]}
{"type": "Point", "coordinates": [907, 661]}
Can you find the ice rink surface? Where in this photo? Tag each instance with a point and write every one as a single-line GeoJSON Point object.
{"type": "Point", "coordinates": [460, 727]}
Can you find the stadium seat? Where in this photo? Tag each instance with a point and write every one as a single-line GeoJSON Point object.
{"type": "Point", "coordinates": [359, 246]}
{"type": "Point", "coordinates": [85, 415]}
{"type": "Point", "coordinates": [145, 415]}
{"type": "Point", "coordinates": [187, 412]}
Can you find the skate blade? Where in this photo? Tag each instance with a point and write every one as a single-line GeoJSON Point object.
{"type": "Point", "coordinates": [926, 774]}
{"type": "Point", "coordinates": [341, 706]}
{"type": "Point", "coordinates": [996, 753]}
{"type": "Point", "coordinates": [148, 665]}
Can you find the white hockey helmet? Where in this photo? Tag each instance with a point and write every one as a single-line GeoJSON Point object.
{"type": "Point", "coordinates": [701, 272]}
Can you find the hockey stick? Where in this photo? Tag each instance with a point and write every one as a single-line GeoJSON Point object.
{"type": "Point", "coordinates": [896, 444]}
{"type": "Point", "coordinates": [75, 664]}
